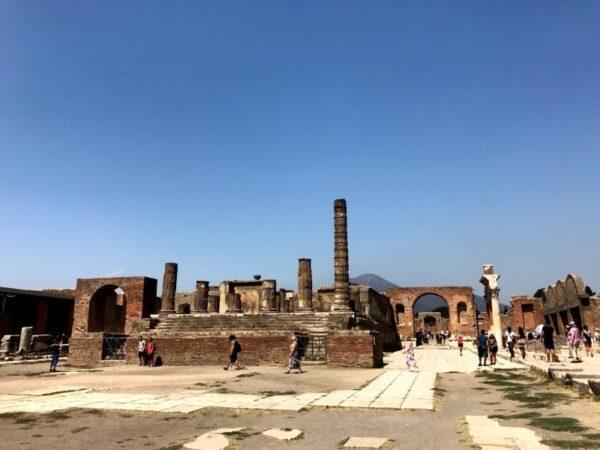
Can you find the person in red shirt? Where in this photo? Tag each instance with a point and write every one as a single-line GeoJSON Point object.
{"type": "Point", "coordinates": [460, 344]}
{"type": "Point", "coordinates": [150, 351]}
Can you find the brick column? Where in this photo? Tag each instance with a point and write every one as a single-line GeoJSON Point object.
{"type": "Point", "coordinates": [341, 299]}
{"type": "Point", "coordinates": [200, 303]}
{"type": "Point", "coordinates": [169, 288]}
{"type": "Point", "coordinates": [213, 304]}
{"type": "Point", "coordinates": [304, 285]}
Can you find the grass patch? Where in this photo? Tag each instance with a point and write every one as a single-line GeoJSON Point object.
{"type": "Point", "coordinates": [37, 435]}
{"type": "Point", "coordinates": [78, 430]}
{"type": "Point", "coordinates": [341, 443]}
{"type": "Point", "coordinates": [239, 435]}
{"type": "Point", "coordinates": [93, 412]}
{"type": "Point", "coordinates": [594, 436]}
{"type": "Point", "coordinates": [490, 403]}
{"type": "Point", "coordinates": [173, 447]}
{"type": "Point", "coordinates": [558, 424]}
{"type": "Point", "coordinates": [525, 415]}
{"type": "Point", "coordinates": [539, 405]}
{"type": "Point", "coordinates": [57, 415]}
{"type": "Point", "coordinates": [269, 393]}
{"type": "Point", "coordinates": [579, 443]}
{"type": "Point", "coordinates": [248, 375]}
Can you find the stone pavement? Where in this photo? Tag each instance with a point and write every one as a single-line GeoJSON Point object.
{"type": "Point", "coordinates": [489, 435]}
{"type": "Point", "coordinates": [395, 388]}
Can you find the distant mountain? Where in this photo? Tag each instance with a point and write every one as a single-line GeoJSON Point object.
{"type": "Point", "coordinates": [373, 281]}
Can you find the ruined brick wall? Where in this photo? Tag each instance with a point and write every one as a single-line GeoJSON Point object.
{"type": "Point", "coordinates": [85, 350]}
{"type": "Point", "coordinates": [139, 294]}
{"type": "Point", "coordinates": [461, 308]}
{"type": "Point", "coordinates": [214, 350]}
{"type": "Point", "coordinates": [355, 349]}
{"type": "Point", "coordinates": [526, 312]}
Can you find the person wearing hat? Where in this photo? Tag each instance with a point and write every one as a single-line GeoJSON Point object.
{"type": "Point", "coordinates": [574, 341]}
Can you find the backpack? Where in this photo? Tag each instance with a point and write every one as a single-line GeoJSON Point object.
{"type": "Point", "coordinates": [238, 346]}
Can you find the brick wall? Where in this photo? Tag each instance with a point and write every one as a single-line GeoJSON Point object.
{"type": "Point", "coordinates": [85, 350]}
{"type": "Point", "coordinates": [529, 319]}
{"type": "Point", "coordinates": [355, 349]}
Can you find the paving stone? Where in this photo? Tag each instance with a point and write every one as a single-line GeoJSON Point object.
{"type": "Point", "coordinates": [208, 441]}
{"type": "Point", "coordinates": [54, 390]}
{"type": "Point", "coordinates": [365, 442]}
{"type": "Point", "coordinates": [284, 435]}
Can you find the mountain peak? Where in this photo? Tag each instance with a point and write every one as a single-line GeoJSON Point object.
{"type": "Point", "coordinates": [373, 281]}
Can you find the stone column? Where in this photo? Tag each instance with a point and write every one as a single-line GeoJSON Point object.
{"type": "Point", "coordinates": [169, 288]}
{"type": "Point", "coordinates": [268, 299]}
{"type": "Point", "coordinates": [492, 298]}
{"type": "Point", "coordinates": [200, 303]}
{"type": "Point", "coordinates": [304, 285]}
{"type": "Point", "coordinates": [341, 299]}
{"type": "Point", "coordinates": [234, 303]}
{"type": "Point", "coordinates": [213, 304]}
{"type": "Point", "coordinates": [224, 289]}
{"type": "Point", "coordinates": [25, 341]}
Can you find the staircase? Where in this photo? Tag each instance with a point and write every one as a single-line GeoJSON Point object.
{"type": "Point", "coordinates": [307, 323]}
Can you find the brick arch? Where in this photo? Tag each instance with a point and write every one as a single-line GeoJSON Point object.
{"type": "Point", "coordinates": [106, 311]}
{"type": "Point", "coordinates": [140, 301]}
{"type": "Point", "coordinates": [453, 295]}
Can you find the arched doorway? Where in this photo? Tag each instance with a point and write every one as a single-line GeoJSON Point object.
{"type": "Point", "coordinates": [107, 310]}
{"type": "Point", "coordinates": [431, 314]}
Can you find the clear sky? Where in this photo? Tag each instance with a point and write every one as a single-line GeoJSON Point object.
{"type": "Point", "coordinates": [218, 134]}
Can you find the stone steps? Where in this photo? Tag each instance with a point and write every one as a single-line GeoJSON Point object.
{"type": "Point", "coordinates": [191, 323]}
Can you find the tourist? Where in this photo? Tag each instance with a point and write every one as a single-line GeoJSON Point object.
{"type": "Point", "coordinates": [419, 337]}
{"type": "Point", "coordinates": [150, 352]}
{"type": "Point", "coordinates": [573, 341]}
{"type": "Point", "coordinates": [510, 341]}
{"type": "Point", "coordinates": [460, 344]}
{"type": "Point", "coordinates": [482, 347]}
{"type": "Point", "coordinates": [522, 342]}
{"type": "Point", "coordinates": [294, 358]}
{"type": "Point", "coordinates": [493, 349]}
{"type": "Point", "coordinates": [548, 339]}
{"type": "Point", "coordinates": [142, 350]}
{"type": "Point", "coordinates": [234, 348]}
{"type": "Point", "coordinates": [587, 342]}
{"type": "Point", "coordinates": [55, 353]}
{"type": "Point", "coordinates": [411, 361]}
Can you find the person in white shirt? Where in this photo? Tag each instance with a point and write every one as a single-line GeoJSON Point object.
{"type": "Point", "coordinates": [142, 350]}
{"type": "Point", "coordinates": [510, 341]}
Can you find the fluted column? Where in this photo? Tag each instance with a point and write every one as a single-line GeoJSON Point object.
{"type": "Point", "coordinates": [169, 288]}
{"type": "Point", "coordinates": [341, 299]}
{"type": "Point", "coordinates": [304, 284]}
{"type": "Point", "coordinates": [200, 303]}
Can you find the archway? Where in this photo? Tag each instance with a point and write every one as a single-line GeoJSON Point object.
{"type": "Point", "coordinates": [399, 313]}
{"type": "Point", "coordinates": [431, 314]}
{"type": "Point", "coordinates": [107, 310]}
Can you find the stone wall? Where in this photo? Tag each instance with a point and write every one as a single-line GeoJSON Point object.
{"type": "Point", "coordinates": [85, 350]}
{"type": "Point", "coordinates": [526, 312]}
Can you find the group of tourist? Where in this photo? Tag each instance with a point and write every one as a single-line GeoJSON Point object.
{"type": "Point", "coordinates": [423, 337]}
{"type": "Point", "coordinates": [487, 346]}
{"type": "Point", "coordinates": [147, 352]}
{"type": "Point", "coordinates": [575, 337]}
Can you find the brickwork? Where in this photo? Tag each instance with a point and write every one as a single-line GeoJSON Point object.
{"type": "Point", "coordinates": [355, 349]}
{"type": "Point", "coordinates": [85, 350]}
{"type": "Point", "coordinates": [139, 300]}
{"type": "Point", "coordinates": [461, 307]}
{"type": "Point", "coordinates": [527, 312]}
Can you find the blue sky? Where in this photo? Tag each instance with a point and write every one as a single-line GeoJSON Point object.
{"type": "Point", "coordinates": [218, 134]}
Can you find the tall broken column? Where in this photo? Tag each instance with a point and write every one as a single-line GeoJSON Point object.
{"type": "Point", "coordinates": [200, 303]}
{"type": "Point", "coordinates": [492, 299]}
{"type": "Point", "coordinates": [25, 341]}
{"type": "Point", "coordinates": [304, 285]}
{"type": "Point", "coordinates": [269, 301]}
{"type": "Point", "coordinates": [341, 299]}
{"type": "Point", "coordinates": [169, 288]}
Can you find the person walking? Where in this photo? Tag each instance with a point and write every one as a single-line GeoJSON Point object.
{"type": "Point", "coordinates": [574, 341]}
{"type": "Point", "coordinates": [522, 342]}
{"type": "Point", "coordinates": [548, 339]}
{"type": "Point", "coordinates": [510, 342]}
{"type": "Point", "coordinates": [55, 354]}
{"type": "Point", "coordinates": [142, 350]}
{"type": "Point", "coordinates": [493, 349]}
{"type": "Point", "coordinates": [482, 347]}
{"type": "Point", "coordinates": [294, 357]}
{"type": "Point", "coordinates": [411, 361]}
{"type": "Point", "coordinates": [587, 342]}
{"type": "Point", "coordinates": [150, 351]}
{"type": "Point", "coordinates": [460, 344]}
{"type": "Point", "coordinates": [234, 349]}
